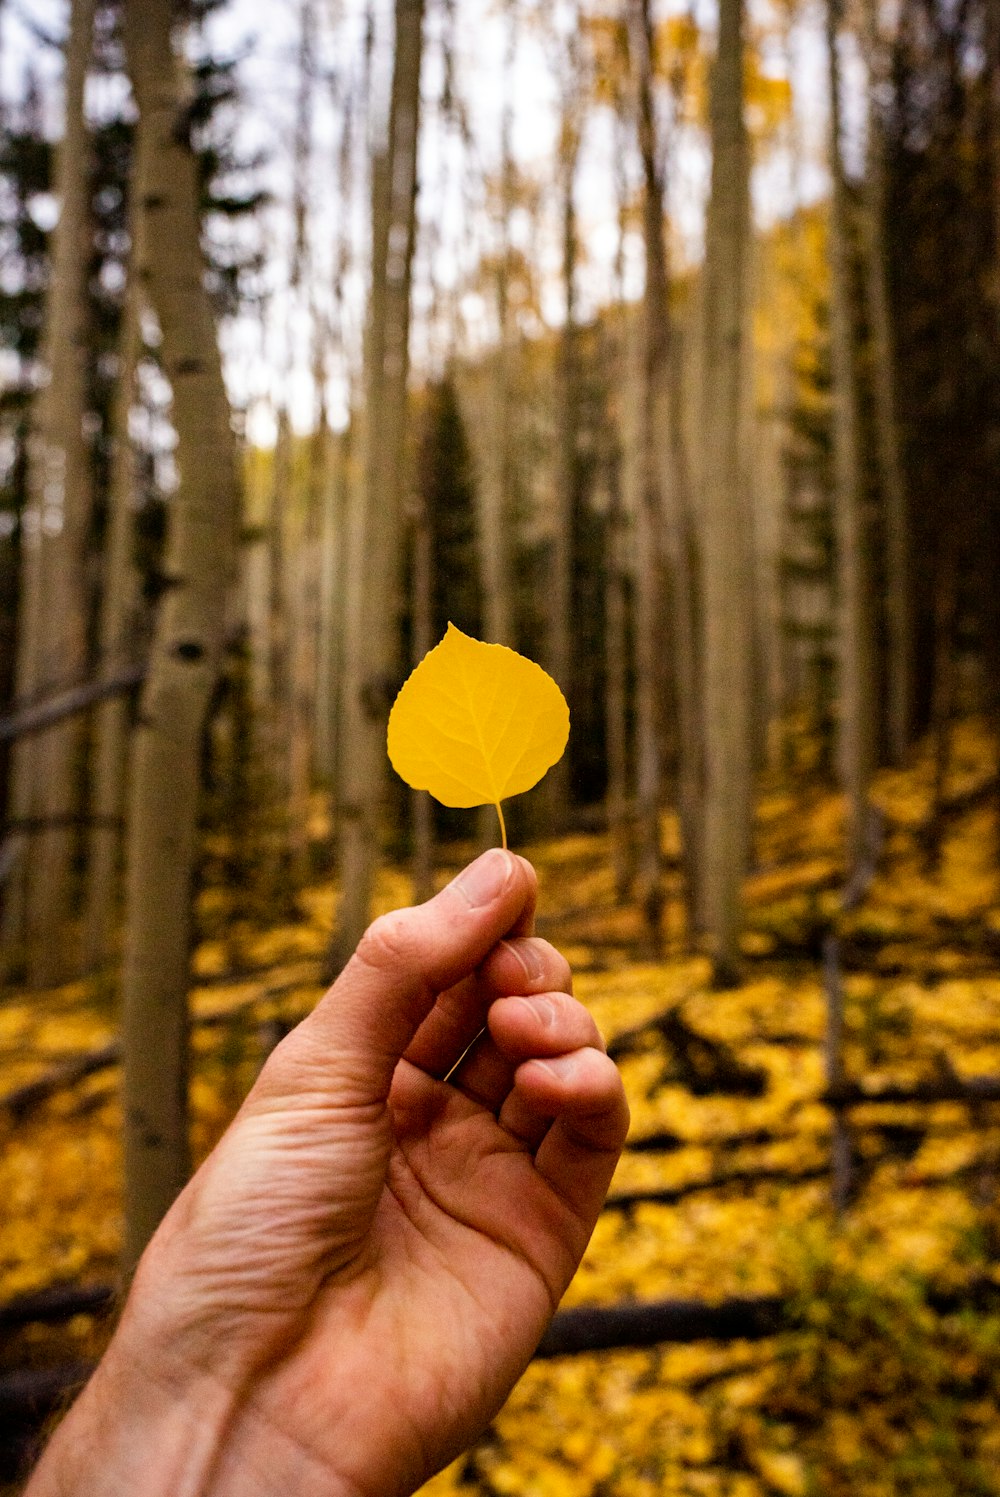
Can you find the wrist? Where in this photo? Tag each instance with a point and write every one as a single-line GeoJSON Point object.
{"type": "Point", "coordinates": [131, 1435]}
{"type": "Point", "coordinates": [136, 1431]}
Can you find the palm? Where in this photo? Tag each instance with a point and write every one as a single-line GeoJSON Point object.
{"type": "Point", "coordinates": [471, 1250]}
{"type": "Point", "coordinates": [388, 1226]}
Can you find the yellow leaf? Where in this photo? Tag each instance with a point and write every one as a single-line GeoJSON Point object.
{"type": "Point", "coordinates": [475, 723]}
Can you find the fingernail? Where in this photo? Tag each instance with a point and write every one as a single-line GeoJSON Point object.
{"type": "Point", "coordinates": [561, 1067]}
{"type": "Point", "coordinates": [486, 878]}
{"type": "Point", "coordinates": [540, 1008]}
{"type": "Point", "coordinates": [529, 957]}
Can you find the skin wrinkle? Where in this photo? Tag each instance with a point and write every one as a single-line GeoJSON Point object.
{"type": "Point", "coordinates": [516, 946]}
{"type": "Point", "coordinates": [495, 1240]}
{"type": "Point", "coordinates": [483, 1053]}
{"type": "Point", "coordinates": [378, 1209]}
{"type": "Point", "coordinates": [340, 1488]}
{"type": "Point", "coordinates": [459, 1017]}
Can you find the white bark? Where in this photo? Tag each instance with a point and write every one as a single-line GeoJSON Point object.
{"type": "Point", "coordinates": [856, 645]}
{"type": "Point", "coordinates": [726, 548]}
{"type": "Point", "coordinates": [555, 787]}
{"type": "Point", "coordinates": [119, 641]}
{"type": "Point", "coordinates": [496, 465]}
{"type": "Point", "coordinates": [652, 625]}
{"type": "Point", "coordinates": [374, 527]}
{"type": "Point", "coordinates": [52, 626]}
{"type": "Point", "coordinates": [187, 645]}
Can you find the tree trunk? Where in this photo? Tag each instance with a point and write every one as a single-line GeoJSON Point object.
{"type": "Point", "coordinates": [496, 466]}
{"type": "Point", "coordinates": [52, 643]}
{"type": "Point", "coordinates": [856, 737]}
{"type": "Point", "coordinates": [556, 789]}
{"type": "Point", "coordinates": [992, 47]}
{"type": "Point", "coordinates": [943, 696]}
{"type": "Point", "coordinates": [333, 541]}
{"type": "Point", "coordinates": [302, 576]}
{"type": "Point", "coordinates": [187, 643]}
{"type": "Point", "coordinates": [724, 516]}
{"type": "Point", "coordinates": [276, 722]}
{"type": "Point", "coordinates": [329, 666]}
{"type": "Point", "coordinates": [119, 641]}
{"type": "Point", "coordinates": [652, 627]}
{"type": "Point", "coordinates": [256, 572]}
{"type": "Point", "coordinates": [896, 525]}
{"type": "Point", "coordinates": [616, 575]}
{"type": "Point", "coordinates": [423, 584]}
{"type": "Point", "coordinates": [373, 561]}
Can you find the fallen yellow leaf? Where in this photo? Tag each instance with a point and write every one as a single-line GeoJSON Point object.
{"type": "Point", "coordinates": [475, 723]}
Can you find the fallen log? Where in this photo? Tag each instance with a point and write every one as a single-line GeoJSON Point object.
{"type": "Point", "coordinates": [939, 1089]}
{"type": "Point", "coordinates": [606, 1328]}
{"type": "Point", "coordinates": [738, 1318]}
{"type": "Point", "coordinates": [670, 1143]}
{"type": "Point", "coordinates": [23, 1099]}
{"type": "Point", "coordinates": [67, 703]}
{"type": "Point", "coordinates": [900, 1138]}
{"type": "Point", "coordinates": [625, 1200]}
{"type": "Point", "coordinates": [36, 1391]}
{"type": "Point", "coordinates": [29, 1397]}
{"type": "Point", "coordinates": [706, 1066]}
{"type": "Point", "coordinates": [55, 1303]}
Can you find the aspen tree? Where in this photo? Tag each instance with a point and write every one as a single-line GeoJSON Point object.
{"type": "Point", "coordinates": [187, 643]}
{"type": "Point", "coordinates": [616, 574]}
{"type": "Point", "coordinates": [724, 517]}
{"type": "Point", "coordinates": [555, 790]}
{"type": "Point", "coordinates": [119, 618]}
{"type": "Point", "coordinates": [991, 50]}
{"type": "Point", "coordinates": [492, 420]}
{"type": "Point", "coordinates": [856, 645]}
{"type": "Point", "coordinates": [52, 626]}
{"type": "Point", "coordinates": [276, 708]}
{"type": "Point", "coordinates": [899, 707]}
{"type": "Point", "coordinates": [664, 521]}
{"type": "Point", "coordinates": [496, 468]}
{"type": "Point", "coordinates": [650, 616]}
{"type": "Point", "coordinates": [308, 615]}
{"type": "Point", "coordinates": [422, 810]}
{"type": "Point", "coordinates": [302, 576]}
{"type": "Point", "coordinates": [255, 556]}
{"type": "Point", "coordinates": [374, 525]}
{"type": "Point", "coordinates": [333, 541]}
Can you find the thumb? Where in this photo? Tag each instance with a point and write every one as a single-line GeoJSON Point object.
{"type": "Point", "coordinates": [349, 1046]}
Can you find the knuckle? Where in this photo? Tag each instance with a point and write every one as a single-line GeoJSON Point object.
{"type": "Point", "coordinates": [559, 966]}
{"type": "Point", "coordinates": [387, 942]}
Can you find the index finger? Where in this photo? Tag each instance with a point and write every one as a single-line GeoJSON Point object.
{"type": "Point", "coordinates": [362, 1026]}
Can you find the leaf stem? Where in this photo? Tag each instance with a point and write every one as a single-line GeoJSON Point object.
{"type": "Point", "coordinates": [503, 825]}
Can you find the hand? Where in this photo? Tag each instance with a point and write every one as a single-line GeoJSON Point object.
{"type": "Point", "coordinates": [347, 1290]}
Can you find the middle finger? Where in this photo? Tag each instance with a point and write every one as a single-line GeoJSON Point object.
{"type": "Point", "coordinates": [518, 965]}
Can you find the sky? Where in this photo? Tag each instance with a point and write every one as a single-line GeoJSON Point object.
{"type": "Point", "coordinates": [270, 359]}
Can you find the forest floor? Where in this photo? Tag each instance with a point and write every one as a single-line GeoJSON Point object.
{"type": "Point", "coordinates": [886, 1377]}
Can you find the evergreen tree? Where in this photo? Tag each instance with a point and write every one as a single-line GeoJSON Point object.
{"type": "Point", "coordinates": [25, 175]}
{"type": "Point", "coordinates": [445, 484]}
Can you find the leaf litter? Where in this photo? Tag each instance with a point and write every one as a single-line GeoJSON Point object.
{"type": "Point", "coordinates": [869, 1392]}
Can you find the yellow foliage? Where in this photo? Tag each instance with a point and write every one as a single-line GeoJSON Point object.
{"type": "Point", "coordinates": [475, 723]}
{"type": "Point", "coordinates": [746, 1419]}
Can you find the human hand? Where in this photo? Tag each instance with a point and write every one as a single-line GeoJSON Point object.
{"type": "Point", "coordinates": [348, 1288]}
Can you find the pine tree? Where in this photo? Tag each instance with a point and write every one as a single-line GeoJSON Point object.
{"type": "Point", "coordinates": [25, 173]}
